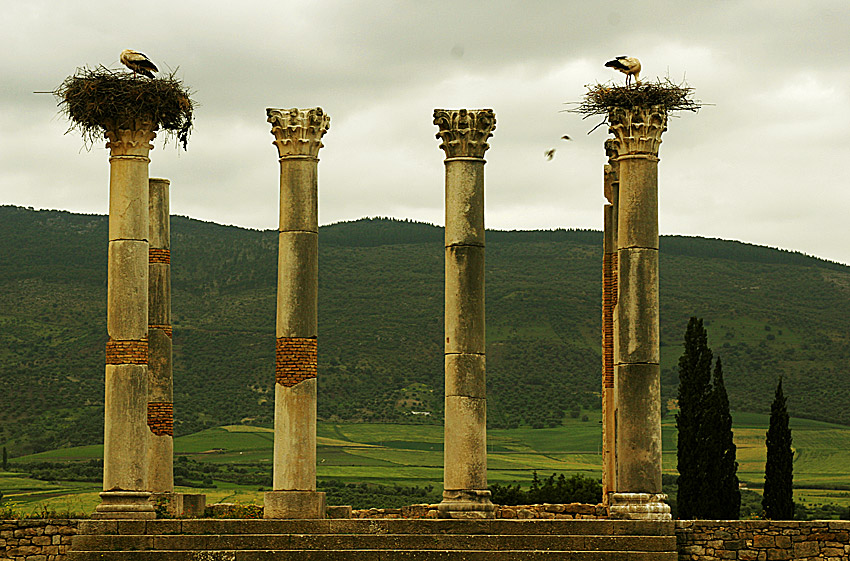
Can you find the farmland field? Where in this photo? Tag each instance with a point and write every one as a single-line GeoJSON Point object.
{"type": "Point", "coordinates": [412, 455]}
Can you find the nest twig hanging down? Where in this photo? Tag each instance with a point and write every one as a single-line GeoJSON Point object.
{"type": "Point", "coordinates": [601, 98]}
{"type": "Point", "coordinates": [93, 98]}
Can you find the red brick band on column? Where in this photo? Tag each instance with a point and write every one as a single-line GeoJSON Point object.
{"type": "Point", "coordinates": [127, 352]}
{"type": "Point", "coordinates": [162, 327]}
{"type": "Point", "coordinates": [607, 323]}
{"type": "Point", "coordinates": [161, 418]}
{"type": "Point", "coordinates": [156, 255]}
{"type": "Point", "coordinates": [295, 360]}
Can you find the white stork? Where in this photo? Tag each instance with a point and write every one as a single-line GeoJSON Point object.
{"type": "Point", "coordinates": [138, 62]}
{"type": "Point", "coordinates": [628, 65]}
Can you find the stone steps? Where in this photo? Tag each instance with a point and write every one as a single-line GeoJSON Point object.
{"type": "Point", "coordinates": [374, 540]}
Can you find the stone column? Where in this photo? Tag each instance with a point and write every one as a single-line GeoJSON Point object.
{"type": "Point", "coordinates": [298, 137]}
{"type": "Point", "coordinates": [609, 302]}
{"type": "Point", "coordinates": [464, 137]}
{"type": "Point", "coordinates": [161, 382]}
{"type": "Point", "coordinates": [637, 136]}
{"type": "Point", "coordinates": [125, 407]}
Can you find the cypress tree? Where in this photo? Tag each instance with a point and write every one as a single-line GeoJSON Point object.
{"type": "Point", "coordinates": [722, 450]}
{"type": "Point", "coordinates": [694, 393]}
{"type": "Point", "coordinates": [778, 501]}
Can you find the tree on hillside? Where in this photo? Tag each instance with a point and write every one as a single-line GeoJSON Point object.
{"type": "Point", "coordinates": [708, 480]}
{"type": "Point", "coordinates": [694, 393]}
{"type": "Point", "coordinates": [724, 469]}
{"type": "Point", "coordinates": [778, 502]}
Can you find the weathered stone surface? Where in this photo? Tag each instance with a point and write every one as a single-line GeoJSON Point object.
{"type": "Point", "coordinates": [299, 196]}
{"type": "Point", "coordinates": [465, 444]}
{"type": "Point", "coordinates": [295, 437]}
{"type": "Point", "coordinates": [126, 431]}
{"type": "Point", "coordinates": [464, 202]}
{"type": "Point", "coordinates": [464, 311]}
{"type": "Point", "coordinates": [298, 284]}
{"type": "Point", "coordinates": [638, 339]}
{"type": "Point", "coordinates": [294, 504]}
{"type": "Point", "coordinates": [639, 438]}
{"type": "Point", "coordinates": [159, 207]}
{"type": "Point", "coordinates": [465, 375]}
{"type": "Point", "coordinates": [127, 289]}
{"type": "Point", "coordinates": [637, 213]}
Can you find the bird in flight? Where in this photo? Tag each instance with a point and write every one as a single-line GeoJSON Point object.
{"type": "Point", "coordinates": [138, 62]}
{"type": "Point", "coordinates": [628, 65]}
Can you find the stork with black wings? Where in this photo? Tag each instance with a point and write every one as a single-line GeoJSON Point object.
{"type": "Point", "coordinates": [138, 63]}
{"type": "Point", "coordinates": [628, 65]}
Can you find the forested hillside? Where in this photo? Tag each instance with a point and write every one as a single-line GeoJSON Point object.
{"type": "Point", "coordinates": [768, 312]}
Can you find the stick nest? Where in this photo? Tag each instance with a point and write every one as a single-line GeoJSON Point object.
{"type": "Point", "coordinates": [602, 98]}
{"type": "Point", "coordinates": [94, 99]}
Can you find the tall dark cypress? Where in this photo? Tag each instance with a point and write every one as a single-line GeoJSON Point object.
{"type": "Point", "coordinates": [778, 500]}
{"type": "Point", "coordinates": [694, 393]}
{"type": "Point", "coordinates": [724, 475]}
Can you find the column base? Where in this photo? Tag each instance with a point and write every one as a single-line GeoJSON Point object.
{"type": "Point", "coordinates": [639, 506]}
{"type": "Point", "coordinates": [466, 503]}
{"type": "Point", "coordinates": [294, 504]}
{"type": "Point", "coordinates": [132, 505]}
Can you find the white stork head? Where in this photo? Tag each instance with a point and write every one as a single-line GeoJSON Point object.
{"type": "Point", "coordinates": [138, 62]}
{"type": "Point", "coordinates": [628, 65]}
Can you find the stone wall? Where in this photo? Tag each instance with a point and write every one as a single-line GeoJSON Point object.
{"type": "Point", "coordinates": [523, 512]}
{"type": "Point", "coordinates": [763, 540]}
{"type": "Point", "coordinates": [36, 540]}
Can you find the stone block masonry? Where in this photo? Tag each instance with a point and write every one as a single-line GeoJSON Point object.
{"type": "Point", "coordinates": [36, 540]}
{"type": "Point", "coordinates": [296, 360]}
{"type": "Point", "coordinates": [763, 540]}
{"type": "Point", "coordinates": [157, 255]}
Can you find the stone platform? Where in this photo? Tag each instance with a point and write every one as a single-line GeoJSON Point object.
{"type": "Point", "coordinates": [374, 540]}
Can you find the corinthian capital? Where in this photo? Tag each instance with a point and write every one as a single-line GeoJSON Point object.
{"type": "Point", "coordinates": [637, 131]}
{"type": "Point", "coordinates": [464, 132]}
{"type": "Point", "coordinates": [298, 132]}
{"type": "Point", "coordinates": [130, 139]}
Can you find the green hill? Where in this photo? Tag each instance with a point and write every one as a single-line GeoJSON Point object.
{"type": "Point", "coordinates": [769, 313]}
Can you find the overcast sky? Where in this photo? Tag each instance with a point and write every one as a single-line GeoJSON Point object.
{"type": "Point", "coordinates": [766, 162]}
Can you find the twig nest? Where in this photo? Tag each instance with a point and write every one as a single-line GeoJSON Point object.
{"type": "Point", "coordinates": [100, 99]}
{"type": "Point", "coordinates": [601, 99]}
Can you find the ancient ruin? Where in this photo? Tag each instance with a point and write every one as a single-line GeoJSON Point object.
{"type": "Point", "coordinates": [464, 135]}
{"type": "Point", "coordinates": [298, 137]}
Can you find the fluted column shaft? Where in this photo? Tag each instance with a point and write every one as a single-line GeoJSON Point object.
{"type": "Point", "coordinates": [637, 136]}
{"type": "Point", "coordinates": [298, 136]}
{"type": "Point", "coordinates": [161, 390]}
{"type": "Point", "coordinates": [464, 135]}
{"type": "Point", "coordinates": [125, 405]}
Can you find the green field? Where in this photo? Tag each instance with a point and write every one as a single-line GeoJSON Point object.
{"type": "Point", "coordinates": [412, 455]}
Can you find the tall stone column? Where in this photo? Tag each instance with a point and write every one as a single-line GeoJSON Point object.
{"type": "Point", "coordinates": [125, 407]}
{"type": "Point", "coordinates": [637, 136]}
{"type": "Point", "coordinates": [161, 381]}
{"type": "Point", "coordinates": [464, 135]}
{"type": "Point", "coordinates": [609, 303]}
{"type": "Point", "coordinates": [298, 137]}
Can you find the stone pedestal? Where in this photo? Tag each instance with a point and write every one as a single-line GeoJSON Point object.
{"type": "Point", "coordinates": [298, 137]}
{"type": "Point", "coordinates": [464, 137]}
{"type": "Point", "coordinates": [125, 407]}
{"type": "Point", "coordinates": [637, 136]}
{"type": "Point", "coordinates": [160, 378]}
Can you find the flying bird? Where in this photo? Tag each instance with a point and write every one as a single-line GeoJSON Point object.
{"type": "Point", "coordinates": [550, 153]}
{"type": "Point", "coordinates": [138, 62]}
{"type": "Point", "coordinates": [628, 65]}
{"type": "Point", "coordinates": [566, 137]}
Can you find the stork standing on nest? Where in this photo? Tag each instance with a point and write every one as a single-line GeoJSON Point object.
{"type": "Point", "coordinates": [628, 65]}
{"type": "Point", "coordinates": [138, 62]}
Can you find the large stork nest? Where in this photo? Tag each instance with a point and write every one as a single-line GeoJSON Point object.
{"type": "Point", "coordinates": [602, 98]}
{"type": "Point", "coordinates": [94, 99]}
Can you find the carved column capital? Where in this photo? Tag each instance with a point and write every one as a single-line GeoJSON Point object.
{"type": "Point", "coordinates": [637, 131]}
{"type": "Point", "coordinates": [298, 132]}
{"type": "Point", "coordinates": [130, 139]}
{"type": "Point", "coordinates": [464, 132]}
